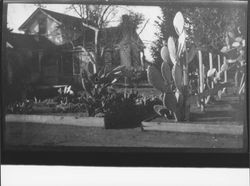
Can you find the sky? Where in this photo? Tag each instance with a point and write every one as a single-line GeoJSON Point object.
{"type": "Point", "coordinates": [18, 13]}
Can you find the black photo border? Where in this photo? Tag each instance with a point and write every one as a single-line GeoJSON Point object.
{"type": "Point", "coordinates": [123, 156]}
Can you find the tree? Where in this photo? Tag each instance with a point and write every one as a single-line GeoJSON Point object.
{"type": "Point", "coordinates": [206, 27]}
{"type": "Point", "coordinates": [97, 15]}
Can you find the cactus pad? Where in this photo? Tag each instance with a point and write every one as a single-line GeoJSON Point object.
{"type": "Point", "coordinates": [181, 43]}
{"type": "Point", "coordinates": [165, 54]}
{"type": "Point", "coordinates": [191, 54]}
{"type": "Point", "coordinates": [172, 50]}
{"type": "Point", "coordinates": [155, 78]}
{"type": "Point", "coordinates": [166, 73]}
{"type": "Point", "coordinates": [170, 101]}
{"type": "Point", "coordinates": [177, 76]}
{"type": "Point", "coordinates": [178, 23]}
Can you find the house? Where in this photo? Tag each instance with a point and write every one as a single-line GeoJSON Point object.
{"type": "Point", "coordinates": [72, 45]}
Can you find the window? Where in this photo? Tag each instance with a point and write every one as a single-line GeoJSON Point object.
{"type": "Point", "coordinates": [42, 26]}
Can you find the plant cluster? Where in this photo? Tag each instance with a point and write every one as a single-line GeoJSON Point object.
{"type": "Point", "coordinates": [124, 110]}
{"type": "Point", "coordinates": [120, 109]}
{"type": "Point", "coordinates": [97, 88]}
{"type": "Point", "coordinates": [234, 49]}
{"type": "Point", "coordinates": [24, 107]}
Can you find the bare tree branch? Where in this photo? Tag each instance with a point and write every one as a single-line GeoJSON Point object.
{"type": "Point", "coordinates": [104, 12]}
{"type": "Point", "coordinates": [144, 27]}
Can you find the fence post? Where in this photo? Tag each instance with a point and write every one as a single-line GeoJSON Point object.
{"type": "Point", "coordinates": [211, 66]}
{"type": "Point", "coordinates": [201, 77]}
{"type": "Point", "coordinates": [218, 56]}
{"type": "Point", "coordinates": [219, 67]}
{"type": "Point", "coordinates": [225, 72]}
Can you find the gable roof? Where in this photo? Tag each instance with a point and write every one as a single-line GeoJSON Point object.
{"type": "Point", "coordinates": [71, 21]}
{"type": "Point", "coordinates": [110, 35]}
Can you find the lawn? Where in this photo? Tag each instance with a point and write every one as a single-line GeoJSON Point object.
{"type": "Point", "coordinates": [53, 135]}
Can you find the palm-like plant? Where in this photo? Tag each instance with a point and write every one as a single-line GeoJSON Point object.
{"type": "Point", "coordinates": [96, 88]}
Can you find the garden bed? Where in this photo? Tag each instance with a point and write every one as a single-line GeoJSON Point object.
{"type": "Point", "coordinates": [218, 118]}
{"type": "Point", "coordinates": [76, 119]}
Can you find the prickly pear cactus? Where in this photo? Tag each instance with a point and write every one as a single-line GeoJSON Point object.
{"type": "Point", "coordinates": [173, 100]}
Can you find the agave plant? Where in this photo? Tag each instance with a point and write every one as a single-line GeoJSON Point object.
{"type": "Point", "coordinates": [96, 88]}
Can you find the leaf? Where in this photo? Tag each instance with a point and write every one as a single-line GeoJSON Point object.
{"type": "Point", "coordinates": [231, 35]}
{"type": "Point", "coordinates": [191, 54]}
{"type": "Point", "coordinates": [211, 72]}
{"type": "Point", "coordinates": [236, 44]}
{"type": "Point", "coordinates": [160, 110]}
{"type": "Point", "coordinates": [214, 91]}
{"type": "Point", "coordinates": [170, 101]}
{"type": "Point", "coordinates": [224, 67]}
{"type": "Point", "coordinates": [155, 78]}
{"type": "Point", "coordinates": [224, 49]}
{"type": "Point", "coordinates": [172, 50]}
{"type": "Point", "coordinates": [231, 60]}
{"type": "Point", "coordinates": [119, 68]}
{"type": "Point", "coordinates": [178, 23]}
{"type": "Point", "coordinates": [177, 76]}
{"type": "Point", "coordinates": [181, 43]}
{"type": "Point", "coordinates": [243, 42]}
{"type": "Point", "coordinates": [166, 73]}
{"type": "Point", "coordinates": [165, 53]}
{"type": "Point", "coordinates": [238, 39]}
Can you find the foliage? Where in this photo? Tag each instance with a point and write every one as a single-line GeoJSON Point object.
{"type": "Point", "coordinates": [234, 50]}
{"type": "Point", "coordinates": [178, 100]}
{"type": "Point", "coordinates": [125, 110]}
{"type": "Point", "coordinates": [136, 19]}
{"type": "Point", "coordinates": [166, 29]}
{"type": "Point", "coordinates": [206, 27]}
{"type": "Point", "coordinates": [46, 106]}
{"type": "Point", "coordinates": [24, 107]}
{"type": "Point", "coordinates": [97, 88]}
{"type": "Point", "coordinates": [65, 95]}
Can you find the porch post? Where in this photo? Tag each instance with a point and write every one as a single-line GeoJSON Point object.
{"type": "Point", "coordinates": [96, 48]}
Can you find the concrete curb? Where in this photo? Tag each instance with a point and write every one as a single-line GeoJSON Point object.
{"type": "Point", "coordinates": [193, 128]}
{"type": "Point", "coordinates": [57, 120]}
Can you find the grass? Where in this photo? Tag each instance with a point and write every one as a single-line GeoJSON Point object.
{"type": "Point", "coordinates": [30, 134]}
